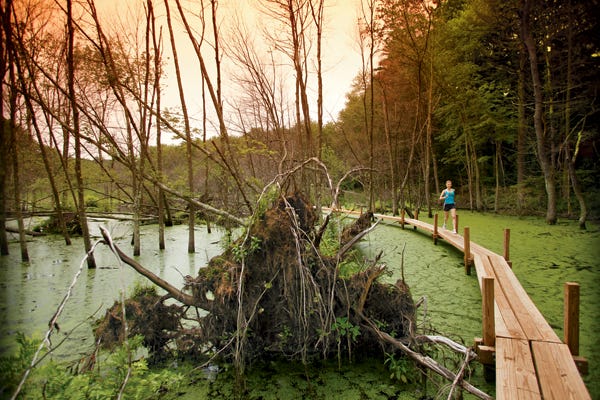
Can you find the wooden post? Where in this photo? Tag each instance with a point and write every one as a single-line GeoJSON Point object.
{"type": "Point", "coordinates": [467, 245]}
{"type": "Point", "coordinates": [486, 347]}
{"type": "Point", "coordinates": [571, 317]}
{"type": "Point", "coordinates": [507, 247]}
{"type": "Point", "coordinates": [402, 218]}
{"type": "Point", "coordinates": [435, 228]}
{"type": "Point", "coordinates": [571, 325]}
{"type": "Point", "coordinates": [416, 217]}
{"type": "Point", "coordinates": [489, 325]}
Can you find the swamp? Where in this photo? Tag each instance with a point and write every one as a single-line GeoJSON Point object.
{"type": "Point", "coordinates": [544, 258]}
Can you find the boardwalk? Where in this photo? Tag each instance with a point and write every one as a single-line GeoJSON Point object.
{"type": "Point", "coordinates": [530, 359]}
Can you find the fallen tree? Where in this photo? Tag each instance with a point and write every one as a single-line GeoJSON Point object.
{"type": "Point", "coordinates": [272, 293]}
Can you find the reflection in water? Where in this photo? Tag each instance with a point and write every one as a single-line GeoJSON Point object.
{"type": "Point", "coordinates": [31, 292]}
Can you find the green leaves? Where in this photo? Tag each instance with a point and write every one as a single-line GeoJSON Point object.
{"type": "Point", "coordinates": [345, 328]}
{"type": "Point", "coordinates": [53, 380]}
{"type": "Point", "coordinates": [401, 369]}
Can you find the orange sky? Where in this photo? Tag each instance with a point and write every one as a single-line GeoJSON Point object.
{"type": "Point", "coordinates": [341, 54]}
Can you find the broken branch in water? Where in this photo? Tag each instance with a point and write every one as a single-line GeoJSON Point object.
{"type": "Point", "coordinates": [426, 361]}
{"type": "Point", "coordinates": [172, 290]}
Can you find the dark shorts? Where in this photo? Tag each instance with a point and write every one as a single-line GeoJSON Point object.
{"type": "Point", "coordinates": [448, 207]}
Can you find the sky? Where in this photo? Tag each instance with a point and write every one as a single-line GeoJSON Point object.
{"type": "Point", "coordinates": [341, 52]}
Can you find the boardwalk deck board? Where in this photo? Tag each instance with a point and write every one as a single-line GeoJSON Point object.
{"type": "Point", "coordinates": [516, 377]}
{"type": "Point", "coordinates": [557, 373]}
{"type": "Point", "coordinates": [531, 320]}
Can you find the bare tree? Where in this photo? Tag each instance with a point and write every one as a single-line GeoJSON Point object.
{"type": "Point", "coordinates": [91, 262]}
{"type": "Point", "coordinates": [156, 47]}
{"type": "Point", "coordinates": [290, 36]}
{"type": "Point", "coordinates": [5, 10]}
{"type": "Point", "coordinates": [188, 134]}
{"type": "Point", "coordinates": [367, 41]}
{"type": "Point", "coordinates": [226, 157]}
{"type": "Point", "coordinates": [543, 155]}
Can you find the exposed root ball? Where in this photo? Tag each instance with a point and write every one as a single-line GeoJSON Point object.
{"type": "Point", "coordinates": [273, 294]}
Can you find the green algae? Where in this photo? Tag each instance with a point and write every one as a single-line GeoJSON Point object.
{"type": "Point", "coordinates": [323, 380]}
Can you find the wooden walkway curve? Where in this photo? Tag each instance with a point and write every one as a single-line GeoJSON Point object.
{"type": "Point", "coordinates": [531, 361]}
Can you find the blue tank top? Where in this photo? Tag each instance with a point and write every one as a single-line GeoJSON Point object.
{"type": "Point", "coordinates": [449, 196]}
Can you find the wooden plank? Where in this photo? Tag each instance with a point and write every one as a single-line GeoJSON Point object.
{"type": "Point", "coordinates": [454, 239]}
{"type": "Point", "coordinates": [515, 371]}
{"type": "Point", "coordinates": [507, 323]}
{"type": "Point", "coordinates": [419, 224]}
{"type": "Point", "coordinates": [530, 318]}
{"type": "Point", "coordinates": [571, 317]}
{"type": "Point", "coordinates": [557, 373]}
{"type": "Point", "coordinates": [475, 248]}
{"type": "Point", "coordinates": [541, 367]}
{"type": "Point", "coordinates": [484, 269]}
{"type": "Point", "coordinates": [488, 311]}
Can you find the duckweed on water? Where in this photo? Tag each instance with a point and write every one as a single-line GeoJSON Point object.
{"type": "Point", "coordinates": [367, 380]}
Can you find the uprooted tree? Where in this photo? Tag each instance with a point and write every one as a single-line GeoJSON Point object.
{"type": "Point", "coordinates": [272, 293]}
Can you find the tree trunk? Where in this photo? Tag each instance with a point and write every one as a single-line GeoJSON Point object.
{"type": "Point", "coordinates": [478, 197]}
{"type": "Point", "coordinates": [542, 145]}
{"type": "Point", "coordinates": [4, 31]}
{"type": "Point", "coordinates": [571, 159]}
{"type": "Point", "coordinates": [583, 212]}
{"type": "Point", "coordinates": [80, 204]}
{"type": "Point", "coordinates": [13, 146]}
{"type": "Point", "coordinates": [497, 175]}
{"type": "Point", "coordinates": [390, 146]}
{"type": "Point", "coordinates": [429, 141]}
{"type": "Point", "coordinates": [469, 168]}
{"type": "Point", "coordinates": [188, 135]}
{"type": "Point", "coordinates": [521, 130]}
{"type": "Point", "coordinates": [3, 169]}
{"type": "Point", "coordinates": [21, 67]}
{"type": "Point", "coordinates": [44, 153]}
{"type": "Point", "coordinates": [159, 158]}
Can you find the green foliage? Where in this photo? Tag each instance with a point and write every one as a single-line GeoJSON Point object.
{"type": "Point", "coordinates": [266, 200]}
{"type": "Point", "coordinates": [240, 251]}
{"type": "Point", "coordinates": [349, 267]}
{"type": "Point", "coordinates": [12, 367]}
{"type": "Point", "coordinates": [91, 202]}
{"type": "Point", "coordinates": [52, 380]}
{"type": "Point", "coordinates": [330, 242]}
{"type": "Point", "coordinates": [142, 289]}
{"type": "Point", "coordinates": [401, 369]}
{"type": "Point", "coordinates": [345, 329]}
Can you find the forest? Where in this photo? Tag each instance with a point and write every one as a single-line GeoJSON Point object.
{"type": "Point", "coordinates": [498, 96]}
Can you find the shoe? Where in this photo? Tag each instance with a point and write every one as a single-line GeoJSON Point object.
{"type": "Point", "coordinates": [454, 231]}
{"type": "Point", "coordinates": [444, 226]}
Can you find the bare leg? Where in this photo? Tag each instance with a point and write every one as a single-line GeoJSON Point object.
{"type": "Point", "coordinates": [445, 218]}
{"type": "Point", "coordinates": [453, 211]}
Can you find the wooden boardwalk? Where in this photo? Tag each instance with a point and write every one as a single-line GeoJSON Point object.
{"type": "Point", "coordinates": [531, 361]}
